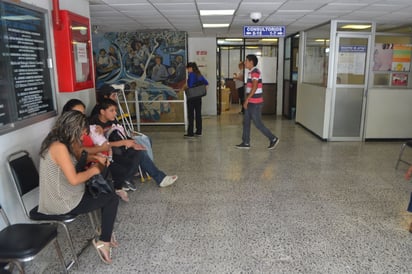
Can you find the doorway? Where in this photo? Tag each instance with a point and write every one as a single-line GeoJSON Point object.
{"type": "Point", "coordinates": [350, 86]}
{"type": "Point", "coordinates": [233, 50]}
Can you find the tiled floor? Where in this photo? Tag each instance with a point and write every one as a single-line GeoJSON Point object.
{"type": "Point", "coordinates": [306, 207]}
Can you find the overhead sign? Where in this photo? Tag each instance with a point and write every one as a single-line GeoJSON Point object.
{"type": "Point", "coordinates": [264, 31]}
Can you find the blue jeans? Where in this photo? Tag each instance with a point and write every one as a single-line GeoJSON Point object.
{"type": "Point", "coordinates": [254, 113]}
{"type": "Point", "coordinates": [130, 161]}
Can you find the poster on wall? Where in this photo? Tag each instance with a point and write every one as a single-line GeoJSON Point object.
{"type": "Point", "coordinates": [154, 64]}
{"type": "Point", "coordinates": [400, 79]}
{"type": "Point", "coordinates": [401, 60]}
{"type": "Point", "coordinates": [351, 59]}
{"type": "Point", "coordinates": [382, 57]}
{"type": "Point", "coordinates": [201, 61]}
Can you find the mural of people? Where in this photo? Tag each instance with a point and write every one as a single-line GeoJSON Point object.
{"type": "Point", "coordinates": [159, 71]}
{"type": "Point", "coordinates": [153, 64]}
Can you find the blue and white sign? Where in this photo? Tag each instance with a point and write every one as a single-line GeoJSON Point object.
{"type": "Point", "coordinates": [264, 31]}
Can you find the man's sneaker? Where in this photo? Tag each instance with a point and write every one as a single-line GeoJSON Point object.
{"type": "Point", "coordinates": [243, 146]}
{"type": "Point", "coordinates": [189, 136]}
{"type": "Point", "coordinates": [168, 180]}
{"type": "Point", "coordinates": [127, 185]}
{"type": "Point", "coordinates": [273, 143]}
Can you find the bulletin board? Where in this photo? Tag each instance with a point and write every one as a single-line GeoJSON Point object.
{"type": "Point", "coordinates": [25, 80]}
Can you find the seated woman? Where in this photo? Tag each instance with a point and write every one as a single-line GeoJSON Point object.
{"type": "Point", "coordinates": [127, 151]}
{"type": "Point", "coordinates": [102, 146]}
{"type": "Point", "coordinates": [62, 189]}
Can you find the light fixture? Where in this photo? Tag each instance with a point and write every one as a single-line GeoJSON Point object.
{"type": "Point", "coordinates": [234, 39]}
{"type": "Point", "coordinates": [269, 40]}
{"type": "Point", "coordinates": [216, 25]}
{"type": "Point", "coordinates": [356, 27]}
{"type": "Point", "coordinates": [216, 12]}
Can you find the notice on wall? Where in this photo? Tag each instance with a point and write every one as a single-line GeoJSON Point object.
{"type": "Point", "coordinates": [26, 50]}
{"type": "Point", "coordinates": [25, 77]}
{"type": "Point", "coordinates": [351, 59]}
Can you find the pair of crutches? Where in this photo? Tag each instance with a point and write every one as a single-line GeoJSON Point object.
{"type": "Point", "coordinates": [127, 123]}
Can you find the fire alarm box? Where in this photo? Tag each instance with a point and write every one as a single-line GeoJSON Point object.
{"type": "Point", "coordinates": [73, 52]}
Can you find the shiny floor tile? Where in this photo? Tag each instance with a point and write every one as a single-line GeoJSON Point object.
{"type": "Point", "coordinates": [308, 206]}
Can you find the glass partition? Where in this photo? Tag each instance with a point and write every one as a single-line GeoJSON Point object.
{"type": "Point", "coordinates": [392, 58]}
{"type": "Point", "coordinates": [316, 56]}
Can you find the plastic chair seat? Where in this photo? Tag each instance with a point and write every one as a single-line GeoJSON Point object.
{"type": "Point", "coordinates": [19, 241]}
{"type": "Point", "coordinates": [35, 215]}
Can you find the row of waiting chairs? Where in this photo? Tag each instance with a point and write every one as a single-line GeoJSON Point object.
{"type": "Point", "coordinates": [26, 180]}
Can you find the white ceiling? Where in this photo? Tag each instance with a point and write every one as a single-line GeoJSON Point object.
{"type": "Point", "coordinates": [296, 15]}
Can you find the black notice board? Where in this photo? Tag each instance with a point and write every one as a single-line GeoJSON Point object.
{"type": "Point", "coordinates": [26, 94]}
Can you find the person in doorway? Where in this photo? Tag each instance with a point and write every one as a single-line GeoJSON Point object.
{"type": "Point", "coordinates": [239, 79]}
{"type": "Point", "coordinates": [253, 105]}
{"type": "Point", "coordinates": [194, 106]}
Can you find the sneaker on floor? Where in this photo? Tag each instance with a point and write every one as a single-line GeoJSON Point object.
{"type": "Point", "coordinates": [189, 136]}
{"type": "Point", "coordinates": [243, 146]}
{"type": "Point", "coordinates": [273, 143]}
{"type": "Point", "coordinates": [122, 194]}
{"type": "Point", "coordinates": [198, 134]}
{"type": "Point", "coordinates": [168, 180]}
{"type": "Point", "coordinates": [127, 185]}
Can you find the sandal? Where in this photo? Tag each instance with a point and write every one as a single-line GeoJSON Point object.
{"type": "Point", "coordinates": [113, 242]}
{"type": "Point", "coordinates": [122, 194]}
{"type": "Point", "coordinates": [168, 180]}
{"type": "Point", "coordinates": [104, 251]}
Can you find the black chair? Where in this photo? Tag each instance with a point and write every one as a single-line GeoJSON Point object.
{"type": "Point", "coordinates": [22, 242]}
{"type": "Point", "coordinates": [403, 146]}
{"type": "Point", "coordinates": [26, 181]}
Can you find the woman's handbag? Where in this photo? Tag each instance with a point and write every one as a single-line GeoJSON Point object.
{"type": "Point", "coordinates": [97, 183]}
{"type": "Point", "coordinates": [195, 92]}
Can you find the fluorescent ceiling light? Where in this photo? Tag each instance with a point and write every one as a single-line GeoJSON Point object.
{"type": "Point", "coordinates": [322, 40]}
{"type": "Point", "coordinates": [234, 39]}
{"type": "Point", "coordinates": [215, 25]}
{"type": "Point", "coordinates": [268, 40]}
{"type": "Point", "coordinates": [356, 27]}
{"type": "Point", "coordinates": [216, 12]}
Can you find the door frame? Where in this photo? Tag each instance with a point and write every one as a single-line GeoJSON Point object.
{"type": "Point", "coordinates": [365, 85]}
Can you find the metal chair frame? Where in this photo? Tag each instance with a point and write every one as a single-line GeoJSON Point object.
{"type": "Point", "coordinates": [17, 261]}
{"type": "Point", "coordinates": [33, 215]}
{"type": "Point", "coordinates": [403, 146]}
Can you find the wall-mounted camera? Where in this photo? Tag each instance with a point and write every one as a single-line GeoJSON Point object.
{"type": "Point", "coordinates": [255, 16]}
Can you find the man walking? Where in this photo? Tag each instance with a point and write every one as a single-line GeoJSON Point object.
{"type": "Point", "coordinates": [253, 105]}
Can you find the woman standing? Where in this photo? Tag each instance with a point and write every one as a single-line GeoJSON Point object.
{"type": "Point", "coordinates": [62, 189]}
{"type": "Point", "coordinates": [194, 106]}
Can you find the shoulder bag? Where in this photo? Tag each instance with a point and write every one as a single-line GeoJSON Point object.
{"type": "Point", "coordinates": [198, 91]}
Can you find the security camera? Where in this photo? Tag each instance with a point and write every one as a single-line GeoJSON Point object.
{"type": "Point", "coordinates": [255, 16]}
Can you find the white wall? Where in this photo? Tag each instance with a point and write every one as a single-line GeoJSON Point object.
{"type": "Point", "coordinates": [310, 108]}
{"type": "Point", "coordinates": [388, 113]}
{"type": "Point", "coordinates": [30, 138]}
{"type": "Point", "coordinates": [196, 45]}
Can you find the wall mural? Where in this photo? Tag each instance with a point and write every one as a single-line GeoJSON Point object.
{"type": "Point", "coordinates": [153, 63]}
